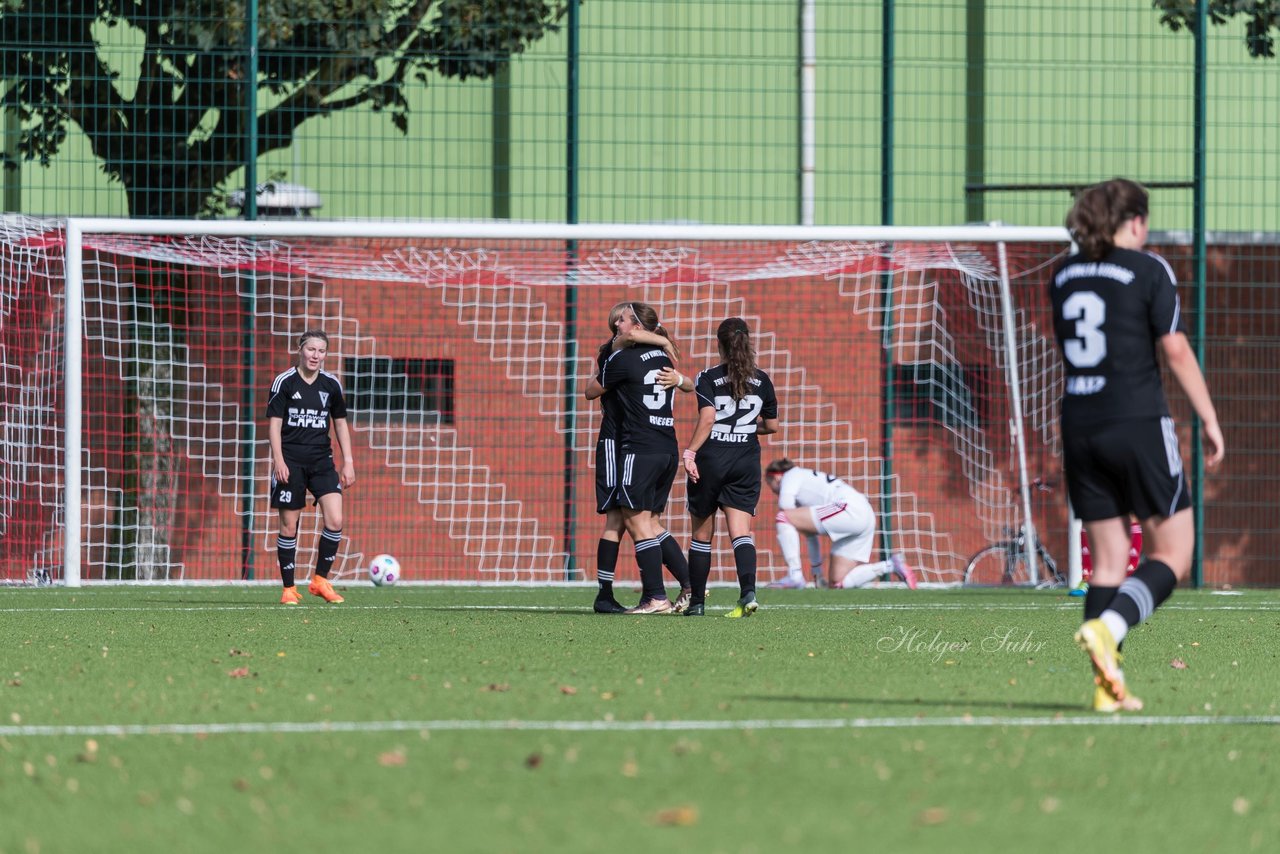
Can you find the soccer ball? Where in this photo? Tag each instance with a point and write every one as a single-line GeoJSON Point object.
{"type": "Point", "coordinates": [384, 569]}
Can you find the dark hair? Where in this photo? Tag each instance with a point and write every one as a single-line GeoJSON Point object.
{"type": "Point", "coordinates": [312, 333]}
{"type": "Point", "coordinates": [781, 466]}
{"type": "Point", "coordinates": [1100, 210]}
{"type": "Point", "coordinates": [645, 314]}
{"type": "Point", "coordinates": [738, 355]}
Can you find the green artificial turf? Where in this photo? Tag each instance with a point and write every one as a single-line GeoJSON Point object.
{"type": "Point", "coordinates": [514, 719]}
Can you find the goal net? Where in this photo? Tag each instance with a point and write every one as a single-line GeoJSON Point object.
{"type": "Point", "coordinates": [463, 350]}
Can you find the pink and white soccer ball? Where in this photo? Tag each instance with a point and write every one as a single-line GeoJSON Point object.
{"type": "Point", "coordinates": [384, 569]}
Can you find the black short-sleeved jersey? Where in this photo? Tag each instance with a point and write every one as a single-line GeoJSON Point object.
{"type": "Point", "coordinates": [306, 408]}
{"type": "Point", "coordinates": [1107, 316]}
{"type": "Point", "coordinates": [645, 423]}
{"type": "Point", "coordinates": [734, 430]}
{"type": "Point", "coordinates": [608, 404]}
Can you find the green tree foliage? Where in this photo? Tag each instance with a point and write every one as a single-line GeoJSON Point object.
{"type": "Point", "coordinates": [1262, 16]}
{"type": "Point", "coordinates": [175, 136]}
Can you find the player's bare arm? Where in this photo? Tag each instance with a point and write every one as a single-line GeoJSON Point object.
{"type": "Point", "coordinates": [348, 472]}
{"type": "Point", "coordinates": [594, 390]}
{"type": "Point", "coordinates": [671, 378]}
{"type": "Point", "coordinates": [640, 335]}
{"type": "Point", "coordinates": [701, 432]}
{"type": "Point", "coordinates": [1186, 369]}
{"type": "Point", "coordinates": [278, 466]}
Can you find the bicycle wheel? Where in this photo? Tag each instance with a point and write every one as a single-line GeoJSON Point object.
{"type": "Point", "coordinates": [991, 567]}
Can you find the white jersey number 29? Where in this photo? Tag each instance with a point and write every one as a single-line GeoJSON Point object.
{"type": "Point", "coordinates": [1089, 346]}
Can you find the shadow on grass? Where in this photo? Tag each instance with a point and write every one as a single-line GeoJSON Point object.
{"type": "Point", "coordinates": [921, 703]}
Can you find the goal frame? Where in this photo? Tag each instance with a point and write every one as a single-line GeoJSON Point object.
{"type": "Point", "coordinates": [997, 234]}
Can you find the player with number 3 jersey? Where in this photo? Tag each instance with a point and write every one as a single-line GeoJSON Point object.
{"type": "Point", "coordinates": [1115, 313]}
{"type": "Point", "coordinates": [647, 458]}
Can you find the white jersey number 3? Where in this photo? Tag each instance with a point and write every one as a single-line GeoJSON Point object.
{"type": "Point", "coordinates": [1089, 346]}
{"type": "Point", "coordinates": [657, 396]}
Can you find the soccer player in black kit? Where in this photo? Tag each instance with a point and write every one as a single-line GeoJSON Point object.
{"type": "Point", "coordinates": [607, 451]}
{"type": "Point", "coordinates": [647, 459]}
{"type": "Point", "coordinates": [304, 401]}
{"type": "Point", "coordinates": [736, 405]}
{"type": "Point", "coordinates": [1115, 313]}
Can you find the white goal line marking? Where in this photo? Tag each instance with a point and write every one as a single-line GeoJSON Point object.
{"type": "Point", "coordinates": [320, 727]}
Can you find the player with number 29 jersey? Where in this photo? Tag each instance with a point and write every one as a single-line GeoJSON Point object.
{"type": "Point", "coordinates": [1107, 316]}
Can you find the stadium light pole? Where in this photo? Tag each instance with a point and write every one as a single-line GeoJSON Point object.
{"type": "Point", "coordinates": [570, 293]}
{"type": "Point", "coordinates": [808, 108]}
{"type": "Point", "coordinates": [249, 432]}
{"type": "Point", "coordinates": [888, 372]}
{"type": "Point", "coordinates": [1199, 241]}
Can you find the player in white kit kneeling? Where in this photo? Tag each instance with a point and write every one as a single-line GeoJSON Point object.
{"type": "Point", "coordinates": [815, 503]}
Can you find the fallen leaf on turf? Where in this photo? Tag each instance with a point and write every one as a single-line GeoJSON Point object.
{"type": "Point", "coordinates": [497, 686]}
{"type": "Point", "coordinates": [238, 673]}
{"type": "Point", "coordinates": [933, 815]}
{"type": "Point", "coordinates": [234, 651]}
{"type": "Point", "coordinates": [677, 817]}
{"type": "Point", "coordinates": [1178, 664]}
{"type": "Point", "coordinates": [1240, 806]}
{"type": "Point", "coordinates": [568, 689]}
{"type": "Point", "coordinates": [392, 759]}
{"type": "Point", "coordinates": [533, 760]}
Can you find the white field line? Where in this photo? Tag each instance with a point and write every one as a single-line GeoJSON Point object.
{"type": "Point", "coordinates": [608, 726]}
{"type": "Point", "coordinates": [272, 605]}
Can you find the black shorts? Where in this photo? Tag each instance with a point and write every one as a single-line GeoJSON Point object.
{"type": "Point", "coordinates": [319, 476]}
{"type": "Point", "coordinates": [644, 481]}
{"type": "Point", "coordinates": [724, 480]}
{"type": "Point", "coordinates": [606, 475]}
{"type": "Point", "coordinates": [1128, 467]}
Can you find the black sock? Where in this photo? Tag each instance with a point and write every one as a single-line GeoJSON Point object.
{"type": "Point", "coordinates": [744, 559]}
{"type": "Point", "coordinates": [286, 554]}
{"type": "Point", "coordinates": [1096, 600]}
{"type": "Point", "coordinates": [1144, 591]}
{"type": "Point", "coordinates": [326, 551]}
{"type": "Point", "coordinates": [649, 559]}
{"type": "Point", "coordinates": [699, 569]}
{"type": "Point", "coordinates": [674, 559]}
{"type": "Point", "coordinates": [606, 565]}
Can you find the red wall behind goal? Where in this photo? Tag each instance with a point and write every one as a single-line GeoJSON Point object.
{"type": "Point", "coordinates": [419, 487]}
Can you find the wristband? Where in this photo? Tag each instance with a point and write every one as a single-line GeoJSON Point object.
{"type": "Point", "coordinates": [689, 454]}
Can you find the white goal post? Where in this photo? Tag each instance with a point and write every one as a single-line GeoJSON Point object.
{"type": "Point", "coordinates": [940, 404]}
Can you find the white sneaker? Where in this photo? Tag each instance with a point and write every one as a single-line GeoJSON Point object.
{"type": "Point", "coordinates": [903, 571]}
{"type": "Point", "coordinates": [791, 582]}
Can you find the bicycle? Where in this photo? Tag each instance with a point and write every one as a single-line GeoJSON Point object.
{"type": "Point", "coordinates": [1004, 564]}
